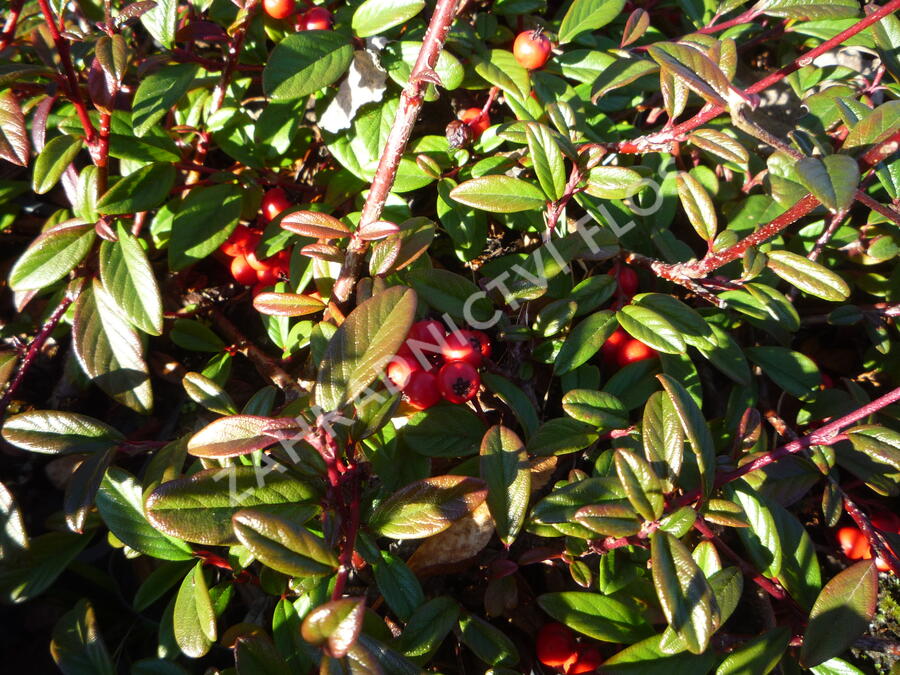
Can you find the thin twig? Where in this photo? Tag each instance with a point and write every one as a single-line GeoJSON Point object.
{"type": "Point", "coordinates": [9, 29]}
{"type": "Point", "coordinates": [411, 100]}
{"type": "Point", "coordinates": [36, 345]}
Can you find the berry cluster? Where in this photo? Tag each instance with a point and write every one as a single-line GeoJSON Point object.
{"type": "Point", "coordinates": [433, 364]}
{"type": "Point", "coordinates": [558, 648]}
{"type": "Point", "coordinates": [855, 545]}
{"type": "Point", "coordinates": [245, 267]}
{"type": "Point", "coordinates": [315, 18]}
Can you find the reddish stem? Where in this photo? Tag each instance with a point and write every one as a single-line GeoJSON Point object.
{"type": "Point", "coordinates": [886, 211]}
{"type": "Point", "coordinates": [410, 104]}
{"type": "Point", "coordinates": [746, 17]}
{"type": "Point", "coordinates": [825, 435]}
{"type": "Point", "coordinates": [876, 541]}
{"type": "Point", "coordinates": [65, 59]}
{"type": "Point", "coordinates": [35, 347]}
{"type": "Point", "coordinates": [9, 29]}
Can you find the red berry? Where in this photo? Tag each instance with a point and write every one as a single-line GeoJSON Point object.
{"type": "Point", "coordinates": [477, 121]}
{"type": "Point", "coordinates": [556, 646]}
{"type": "Point", "coordinates": [426, 337]}
{"type": "Point", "coordinates": [854, 543]}
{"type": "Point", "coordinates": [422, 392]}
{"type": "Point", "coordinates": [634, 351]}
{"type": "Point", "coordinates": [626, 278]}
{"type": "Point", "coordinates": [318, 18]}
{"type": "Point", "coordinates": [268, 276]}
{"type": "Point", "coordinates": [459, 381]}
{"type": "Point", "coordinates": [242, 272]}
{"type": "Point", "coordinates": [480, 341]}
{"type": "Point", "coordinates": [589, 659]}
{"type": "Point", "coordinates": [531, 49]}
{"type": "Point", "coordinates": [274, 202]}
{"type": "Point", "coordinates": [459, 347]}
{"type": "Point", "coordinates": [613, 346]}
{"type": "Point", "coordinates": [278, 9]}
{"type": "Point", "coordinates": [243, 239]}
{"type": "Point", "coordinates": [827, 382]}
{"type": "Point", "coordinates": [400, 369]}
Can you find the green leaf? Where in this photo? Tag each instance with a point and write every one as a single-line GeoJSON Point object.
{"type": "Point", "coordinates": [127, 275]}
{"type": "Point", "coordinates": [444, 431]}
{"type": "Point", "coordinates": [143, 190]}
{"type": "Point", "coordinates": [662, 437]}
{"type": "Point", "coordinates": [38, 566]}
{"type": "Point", "coordinates": [683, 591]}
{"type": "Point", "coordinates": [204, 220]}
{"type": "Point", "coordinates": [794, 372]}
{"type": "Point", "coordinates": [597, 616]}
{"type": "Point", "coordinates": [13, 536]}
{"type": "Point", "coordinates": [878, 125]}
{"type": "Point", "coordinates": [52, 255]}
{"type": "Point", "coordinates": [109, 350]}
{"type": "Point", "coordinates": [488, 643]}
{"type": "Point", "coordinates": [603, 411]}
{"type": "Point", "coordinates": [584, 341]}
{"type": "Point", "coordinates": [647, 657]}
{"type": "Point", "coordinates": [428, 627]}
{"type": "Point", "coordinates": [611, 519]}
{"type": "Point", "coordinates": [690, 67]}
{"type": "Point", "coordinates": [696, 429]}
{"type": "Point", "coordinates": [588, 15]}
{"type": "Point", "coordinates": [687, 321]}
{"type": "Point", "coordinates": [613, 182]}
{"type": "Point", "coordinates": [499, 194]}
{"type": "Point", "coordinates": [14, 143]}
{"type": "Point", "coordinates": [505, 470]}
{"type": "Point", "coordinates": [426, 507]}
{"type": "Point", "coordinates": [305, 62]}
{"type": "Point", "coordinates": [362, 346]}
{"type": "Point", "coordinates": [758, 656]}
{"type": "Point", "coordinates": [698, 205]}
{"type": "Point", "coordinates": [207, 393]}
{"type": "Point", "coordinates": [53, 161]}
{"type": "Point", "coordinates": [810, 277]}
{"type": "Point", "coordinates": [547, 159]}
{"type": "Point", "coordinates": [721, 145]}
{"type": "Point", "coordinates": [560, 437]}
{"type": "Point", "coordinates": [398, 584]}
{"type": "Point", "coordinates": [337, 623]}
{"type": "Point", "coordinates": [874, 457]}
{"type": "Point", "coordinates": [283, 545]}
{"type": "Point", "coordinates": [256, 655]}
{"type": "Point", "coordinates": [452, 294]}
{"type": "Point", "coordinates": [832, 180]}
{"type": "Point", "coordinates": [377, 16]}
{"type": "Point", "coordinates": [848, 601]}
{"type": "Point", "coordinates": [238, 435]}
{"type": "Point", "coordinates": [199, 507]}
{"type": "Point", "coordinates": [161, 21]}
{"type": "Point", "coordinates": [640, 482]}
{"type": "Point", "coordinates": [807, 9]}
{"type": "Point", "coordinates": [761, 538]}
{"type": "Point", "coordinates": [158, 92]}
{"type": "Point", "coordinates": [120, 503]}
{"type": "Point", "coordinates": [56, 432]}
{"type": "Point", "coordinates": [651, 328]}
{"type": "Point", "coordinates": [77, 646]}
{"type": "Point", "coordinates": [82, 488]}
{"type": "Point", "coordinates": [194, 620]}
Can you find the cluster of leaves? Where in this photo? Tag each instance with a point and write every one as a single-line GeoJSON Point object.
{"type": "Point", "coordinates": [263, 500]}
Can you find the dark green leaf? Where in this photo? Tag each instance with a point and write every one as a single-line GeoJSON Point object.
{"type": "Point", "coordinates": [597, 616]}
{"type": "Point", "coordinates": [77, 646]}
{"type": "Point", "coordinates": [305, 62]}
{"type": "Point", "coordinates": [194, 621]}
{"type": "Point", "coordinates": [52, 255]}
{"type": "Point", "coordinates": [499, 194]}
{"type": "Point", "coordinates": [158, 92]}
{"type": "Point", "coordinates": [204, 220]}
{"type": "Point", "coordinates": [283, 545]}
{"type": "Point", "coordinates": [57, 432]}
{"type": "Point", "coordinates": [848, 601]}
{"type": "Point", "coordinates": [53, 161]}
{"type": "Point", "coordinates": [588, 15]}
{"type": "Point", "coordinates": [505, 470]}
{"type": "Point", "coordinates": [127, 275]}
